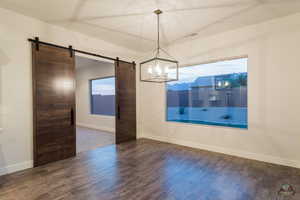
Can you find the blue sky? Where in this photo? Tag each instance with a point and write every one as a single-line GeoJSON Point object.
{"type": "Point", "coordinates": [191, 73]}
{"type": "Point", "coordinates": [105, 86]}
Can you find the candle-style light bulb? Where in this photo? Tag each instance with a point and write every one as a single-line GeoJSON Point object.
{"type": "Point", "coordinates": [158, 69]}
{"type": "Point", "coordinates": [150, 71]}
{"type": "Point", "coordinates": [167, 70]}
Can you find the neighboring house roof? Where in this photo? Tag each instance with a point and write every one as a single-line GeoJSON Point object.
{"type": "Point", "coordinates": [179, 86]}
{"type": "Point", "coordinates": [203, 81]}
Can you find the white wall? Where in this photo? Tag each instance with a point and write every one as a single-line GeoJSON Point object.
{"type": "Point", "coordinates": [16, 91]}
{"type": "Point", "coordinates": [88, 70]}
{"type": "Point", "coordinates": [273, 48]}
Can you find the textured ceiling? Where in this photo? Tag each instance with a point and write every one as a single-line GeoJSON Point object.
{"type": "Point", "coordinates": [131, 23]}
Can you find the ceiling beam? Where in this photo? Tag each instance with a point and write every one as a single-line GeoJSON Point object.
{"type": "Point", "coordinates": [235, 14]}
{"type": "Point", "coordinates": [116, 31]}
{"type": "Point", "coordinates": [91, 18]}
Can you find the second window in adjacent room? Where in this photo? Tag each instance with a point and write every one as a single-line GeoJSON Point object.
{"type": "Point", "coordinates": [102, 94]}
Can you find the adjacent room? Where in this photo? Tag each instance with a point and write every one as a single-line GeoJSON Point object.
{"type": "Point", "coordinates": [95, 103]}
{"type": "Point", "coordinates": [149, 100]}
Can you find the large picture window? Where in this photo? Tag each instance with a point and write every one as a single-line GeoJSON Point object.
{"type": "Point", "coordinates": [211, 94]}
{"type": "Point", "coordinates": [103, 96]}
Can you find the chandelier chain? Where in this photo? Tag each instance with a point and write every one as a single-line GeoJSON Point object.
{"type": "Point", "coordinates": [158, 46]}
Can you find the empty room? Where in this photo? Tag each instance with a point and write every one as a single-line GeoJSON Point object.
{"type": "Point", "coordinates": [149, 100]}
{"type": "Point", "coordinates": [95, 103]}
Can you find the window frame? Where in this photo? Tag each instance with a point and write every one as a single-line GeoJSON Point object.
{"type": "Point", "coordinates": [203, 63]}
{"type": "Point", "coordinates": [90, 93]}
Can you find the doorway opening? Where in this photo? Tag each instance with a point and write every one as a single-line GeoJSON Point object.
{"type": "Point", "coordinates": [95, 103]}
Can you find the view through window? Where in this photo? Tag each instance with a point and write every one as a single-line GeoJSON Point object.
{"type": "Point", "coordinates": [103, 96]}
{"type": "Point", "coordinates": [211, 94]}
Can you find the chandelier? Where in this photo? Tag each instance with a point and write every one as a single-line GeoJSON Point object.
{"type": "Point", "coordinates": [161, 67]}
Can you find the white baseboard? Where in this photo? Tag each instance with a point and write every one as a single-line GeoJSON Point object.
{"type": "Point", "coordinates": [233, 152]}
{"type": "Point", "coordinates": [101, 128]}
{"type": "Point", "coordinates": [16, 167]}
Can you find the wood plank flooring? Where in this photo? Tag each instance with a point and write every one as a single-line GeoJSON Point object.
{"type": "Point", "coordinates": [88, 139]}
{"type": "Point", "coordinates": [150, 170]}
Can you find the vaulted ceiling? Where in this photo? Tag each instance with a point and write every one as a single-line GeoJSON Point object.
{"type": "Point", "coordinates": [131, 23]}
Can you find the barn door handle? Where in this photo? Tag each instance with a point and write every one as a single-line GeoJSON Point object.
{"type": "Point", "coordinates": [118, 112]}
{"type": "Point", "coordinates": [72, 116]}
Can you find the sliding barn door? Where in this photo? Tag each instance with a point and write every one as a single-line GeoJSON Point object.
{"type": "Point", "coordinates": [125, 102]}
{"type": "Point", "coordinates": [53, 71]}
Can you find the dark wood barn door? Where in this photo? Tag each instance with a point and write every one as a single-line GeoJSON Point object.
{"type": "Point", "coordinates": [125, 102]}
{"type": "Point", "coordinates": [53, 72]}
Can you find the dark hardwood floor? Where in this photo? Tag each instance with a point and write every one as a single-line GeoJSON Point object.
{"type": "Point", "coordinates": [149, 170]}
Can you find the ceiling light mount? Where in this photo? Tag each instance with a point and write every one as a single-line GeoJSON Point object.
{"type": "Point", "coordinates": [161, 67]}
{"type": "Point", "coordinates": [158, 11]}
